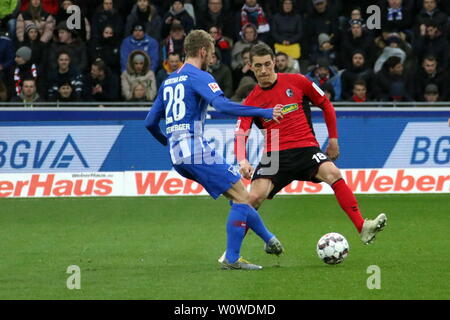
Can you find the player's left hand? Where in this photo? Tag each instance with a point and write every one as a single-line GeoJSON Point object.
{"type": "Point", "coordinates": [332, 150]}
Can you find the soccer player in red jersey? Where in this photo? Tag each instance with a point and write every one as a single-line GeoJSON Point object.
{"type": "Point", "coordinates": [292, 142]}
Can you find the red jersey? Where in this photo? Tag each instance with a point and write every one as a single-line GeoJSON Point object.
{"type": "Point", "coordinates": [294, 92]}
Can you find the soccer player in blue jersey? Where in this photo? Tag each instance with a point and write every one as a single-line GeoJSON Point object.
{"type": "Point", "coordinates": [183, 98]}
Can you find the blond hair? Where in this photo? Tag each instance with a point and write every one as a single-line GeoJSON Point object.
{"type": "Point", "coordinates": [195, 40]}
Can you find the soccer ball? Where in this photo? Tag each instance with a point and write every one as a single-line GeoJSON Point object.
{"type": "Point", "coordinates": [332, 248]}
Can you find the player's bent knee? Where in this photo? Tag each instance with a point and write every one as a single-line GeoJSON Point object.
{"type": "Point", "coordinates": [255, 200]}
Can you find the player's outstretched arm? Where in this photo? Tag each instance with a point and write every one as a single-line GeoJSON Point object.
{"type": "Point", "coordinates": [224, 105]}
{"type": "Point", "coordinates": [153, 118]}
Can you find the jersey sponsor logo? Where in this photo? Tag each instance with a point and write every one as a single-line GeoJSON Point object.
{"type": "Point", "coordinates": [315, 86]}
{"type": "Point", "coordinates": [214, 87]}
{"type": "Point", "coordinates": [286, 109]}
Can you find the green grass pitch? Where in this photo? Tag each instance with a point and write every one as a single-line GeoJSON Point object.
{"type": "Point", "coordinates": [167, 248]}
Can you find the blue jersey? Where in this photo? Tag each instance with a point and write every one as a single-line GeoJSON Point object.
{"type": "Point", "coordinates": [183, 98]}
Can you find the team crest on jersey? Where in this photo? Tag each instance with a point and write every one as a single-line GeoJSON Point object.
{"type": "Point", "coordinates": [289, 93]}
{"type": "Point", "coordinates": [214, 87]}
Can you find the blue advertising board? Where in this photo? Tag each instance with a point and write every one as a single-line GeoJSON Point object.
{"type": "Point", "coordinates": [95, 141]}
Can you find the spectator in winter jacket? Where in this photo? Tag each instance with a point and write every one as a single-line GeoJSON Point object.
{"type": "Point", "coordinates": [170, 65]}
{"type": "Point", "coordinates": [358, 71]}
{"type": "Point", "coordinates": [432, 41]}
{"type": "Point", "coordinates": [323, 73]}
{"type": "Point", "coordinates": [221, 73]}
{"type": "Point", "coordinates": [6, 57]}
{"type": "Point", "coordinates": [359, 92]}
{"type": "Point", "coordinates": [22, 69]}
{"type": "Point", "coordinates": [106, 48]}
{"type": "Point", "coordinates": [35, 14]}
{"type": "Point", "coordinates": [107, 15]}
{"type": "Point", "coordinates": [138, 69]}
{"type": "Point", "coordinates": [325, 50]}
{"type": "Point", "coordinates": [249, 38]}
{"type": "Point", "coordinates": [252, 12]}
{"type": "Point", "coordinates": [144, 13]}
{"type": "Point", "coordinates": [356, 39]}
{"type": "Point", "coordinates": [431, 12]}
{"type": "Point", "coordinates": [68, 41]}
{"type": "Point", "coordinates": [322, 20]}
{"type": "Point", "coordinates": [50, 6]}
{"type": "Point", "coordinates": [65, 71]}
{"type": "Point", "coordinates": [101, 83]}
{"type": "Point", "coordinates": [174, 42]}
{"type": "Point", "coordinates": [215, 15]}
{"type": "Point", "coordinates": [28, 94]}
{"type": "Point", "coordinates": [177, 15]}
{"type": "Point", "coordinates": [224, 44]}
{"type": "Point", "coordinates": [31, 40]}
{"type": "Point", "coordinates": [243, 69]}
{"type": "Point", "coordinates": [432, 94]}
{"type": "Point", "coordinates": [394, 46]}
{"type": "Point", "coordinates": [84, 32]}
{"type": "Point", "coordinates": [66, 92]}
{"type": "Point", "coordinates": [391, 83]}
{"type": "Point", "coordinates": [287, 26]}
{"type": "Point", "coordinates": [430, 73]}
{"type": "Point", "coordinates": [139, 41]}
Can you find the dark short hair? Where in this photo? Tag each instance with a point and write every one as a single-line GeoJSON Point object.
{"type": "Point", "coordinates": [429, 57]}
{"type": "Point", "coordinates": [360, 82]}
{"type": "Point", "coordinates": [261, 50]}
{"type": "Point", "coordinates": [100, 64]}
{"type": "Point", "coordinates": [282, 54]}
{"type": "Point", "coordinates": [391, 62]}
{"type": "Point", "coordinates": [247, 49]}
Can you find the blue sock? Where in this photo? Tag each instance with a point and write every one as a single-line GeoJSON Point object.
{"type": "Point", "coordinates": [236, 224]}
{"type": "Point", "coordinates": [255, 223]}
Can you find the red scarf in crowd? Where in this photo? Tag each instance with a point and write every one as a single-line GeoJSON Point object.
{"type": "Point", "coordinates": [263, 25]}
{"type": "Point", "coordinates": [18, 81]}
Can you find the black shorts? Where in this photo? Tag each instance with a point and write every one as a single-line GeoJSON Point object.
{"type": "Point", "coordinates": [294, 164]}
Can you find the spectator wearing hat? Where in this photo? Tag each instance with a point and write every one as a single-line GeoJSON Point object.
{"type": "Point", "coordinates": [322, 20]}
{"type": "Point", "coordinates": [324, 50]}
{"type": "Point", "coordinates": [430, 73]}
{"type": "Point", "coordinates": [138, 69]}
{"type": "Point", "coordinates": [101, 83]}
{"type": "Point", "coordinates": [106, 48]}
{"type": "Point", "coordinates": [138, 40]}
{"type": "Point", "coordinates": [431, 12]}
{"type": "Point", "coordinates": [36, 15]}
{"type": "Point", "coordinates": [391, 82]}
{"type": "Point", "coordinates": [68, 41]}
{"type": "Point", "coordinates": [170, 65]}
{"type": "Point", "coordinates": [66, 71]}
{"type": "Point", "coordinates": [252, 12]}
{"type": "Point", "coordinates": [431, 41]}
{"type": "Point", "coordinates": [84, 32]}
{"type": "Point", "coordinates": [357, 38]}
{"type": "Point", "coordinates": [323, 73]}
{"type": "Point", "coordinates": [249, 38]}
{"type": "Point", "coordinates": [146, 14]}
{"type": "Point", "coordinates": [221, 73]}
{"type": "Point", "coordinates": [177, 14]}
{"type": "Point", "coordinates": [216, 15]}
{"type": "Point", "coordinates": [28, 93]}
{"type": "Point", "coordinates": [431, 93]}
{"type": "Point", "coordinates": [22, 68]}
{"type": "Point", "coordinates": [174, 42]}
{"type": "Point", "coordinates": [66, 92]}
{"type": "Point", "coordinates": [358, 71]}
{"type": "Point", "coordinates": [32, 40]}
{"type": "Point", "coordinates": [107, 15]}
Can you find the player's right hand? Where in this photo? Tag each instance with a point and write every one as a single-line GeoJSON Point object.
{"type": "Point", "coordinates": [245, 169]}
{"type": "Point", "coordinates": [277, 113]}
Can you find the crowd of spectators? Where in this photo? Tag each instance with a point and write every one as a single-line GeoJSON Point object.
{"type": "Point", "coordinates": [123, 50]}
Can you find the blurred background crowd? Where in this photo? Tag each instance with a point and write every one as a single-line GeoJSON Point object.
{"type": "Point", "coordinates": [124, 49]}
